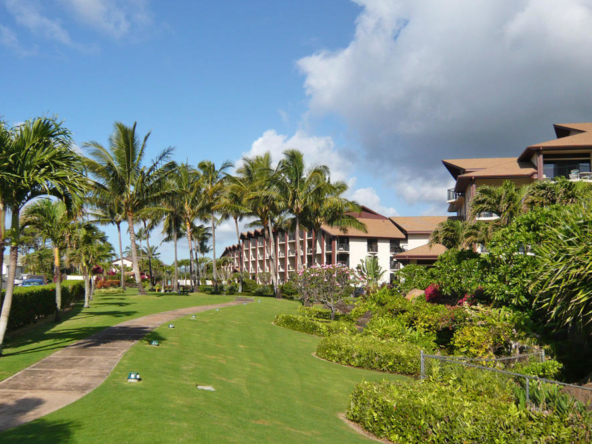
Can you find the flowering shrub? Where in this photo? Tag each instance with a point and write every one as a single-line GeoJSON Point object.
{"type": "Point", "coordinates": [468, 299]}
{"type": "Point", "coordinates": [327, 284]}
{"type": "Point", "coordinates": [432, 293]}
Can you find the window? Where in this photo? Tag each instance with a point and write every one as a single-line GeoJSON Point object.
{"type": "Point", "coordinates": [372, 245]}
{"type": "Point", "coordinates": [343, 244]}
{"type": "Point", "coordinates": [564, 165]}
{"type": "Point", "coordinates": [396, 246]}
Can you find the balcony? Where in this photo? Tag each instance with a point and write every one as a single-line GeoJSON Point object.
{"type": "Point", "coordinates": [291, 252]}
{"type": "Point", "coordinates": [395, 265]}
{"type": "Point", "coordinates": [396, 249]}
{"type": "Point", "coordinates": [372, 248]}
{"type": "Point", "coordinates": [342, 247]}
{"type": "Point", "coordinates": [291, 237]}
{"type": "Point", "coordinates": [328, 248]}
{"type": "Point", "coordinates": [453, 196]}
{"type": "Point", "coordinates": [282, 254]}
{"type": "Point", "coordinates": [309, 250]}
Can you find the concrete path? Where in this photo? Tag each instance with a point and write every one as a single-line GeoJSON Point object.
{"type": "Point", "coordinates": [76, 370]}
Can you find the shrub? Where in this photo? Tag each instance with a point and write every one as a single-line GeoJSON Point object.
{"type": "Point", "coordinates": [432, 293]}
{"type": "Point", "coordinates": [249, 285]}
{"type": "Point", "coordinates": [314, 327]}
{"type": "Point", "coordinates": [107, 284]}
{"type": "Point", "coordinates": [32, 303]}
{"type": "Point", "coordinates": [263, 290]}
{"type": "Point", "coordinates": [394, 329]}
{"type": "Point", "coordinates": [371, 353]}
{"type": "Point", "coordinates": [315, 312]}
{"type": "Point", "coordinates": [434, 412]}
{"type": "Point", "coordinates": [289, 290]}
{"type": "Point", "coordinates": [412, 276]}
{"type": "Point", "coordinates": [550, 369]}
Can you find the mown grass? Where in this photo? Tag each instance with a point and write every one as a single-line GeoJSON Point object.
{"type": "Point", "coordinates": [269, 387]}
{"type": "Point", "coordinates": [23, 349]}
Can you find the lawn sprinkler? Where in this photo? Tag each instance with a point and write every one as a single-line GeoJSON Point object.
{"type": "Point", "coordinates": [244, 303]}
{"type": "Point", "coordinates": [259, 301]}
{"type": "Point", "coordinates": [133, 377]}
{"type": "Point", "coordinates": [217, 309]}
{"type": "Point", "coordinates": [171, 325]}
{"type": "Point", "coordinates": [154, 342]}
{"type": "Point", "coordinates": [193, 317]}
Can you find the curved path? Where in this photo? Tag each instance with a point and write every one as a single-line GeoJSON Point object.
{"type": "Point", "coordinates": [76, 370]}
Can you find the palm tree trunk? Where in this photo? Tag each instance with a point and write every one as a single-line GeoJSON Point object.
{"type": "Point", "coordinates": [130, 221]}
{"type": "Point", "coordinates": [176, 283]}
{"type": "Point", "coordinates": [314, 246]}
{"type": "Point", "coordinates": [92, 286]}
{"type": "Point", "coordinates": [149, 256]}
{"type": "Point", "coordinates": [12, 261]}
{"type": "Point", "coordinates": [58, 289]}
{"type": "Point", "coordinates": [297, 258]}
{"type": "Point", "coordinates": [276, 289]}
{"type": "Point", "coordinates": [121, 257]}
{"type": "Point", "coordinates": [190, 242]}
{"type": "Point", "coordinates": [2, 240]}
{"type": "Point", "coordinates": [214, 253]}
{"type": "Point", "coordinates": [85, 274]}
{"type": "Point", "coordinates": [240, 259]}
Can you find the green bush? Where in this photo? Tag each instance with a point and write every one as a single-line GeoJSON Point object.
{"type": "Point", "coordinates": [371, 353]}
{"type": "Point", "coordinates": [32, 303]}
{"type": "Point", "coordinates": [249, 285]}
{"type": "Point", "coordinates": [411, 277]}
{"type": "Point", "coordinates": [550, 369]}
{"type": "Point", "coordinates": [315, 312]}
{"type": "Point", "coordinates": [263, 290]}
{"type": "Point", "coordinates": [441, 413]}
{"type": "Point", "coordinates": [314, 327]}
{"type": "Point", "coordinates": [289, 290]}
{"type": "Point", "coordinates": [396, 330]}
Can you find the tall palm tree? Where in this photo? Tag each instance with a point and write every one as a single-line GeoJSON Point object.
{"type": "Point", "coordinates": [189, 192]}
{"type": "Point", "coordinates": [507, 201]}
{"type": "Point", "coordinates": [328, 207]}
{"type": "Point", "coordinates": [259, 179]}
{"type": "Point", "coordinates": [52, 222]}
{"type": "Point", "coordinates": [213, 180]}
{"type": "Point", "coordinates": [172, 226]}
{"type": "Point", "coordinates": [299, 187]}
{"type": "Point", "coordinates": [201, 238]}
{"type": "Point", "coordinates": [119, 172]}
{"type": "Point", "coordinates": [560, 191]}
{"type": "Point", "coordinates": [110, 213]}
{"type": "Point", "coordinates": [38, 160]}
{"type": "Point", "coordinates": [6, 138]}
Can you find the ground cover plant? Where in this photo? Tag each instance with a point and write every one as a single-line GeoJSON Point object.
{"type": "Point", "coordinates": [269, 387]}
{"type": "Point", "coordinates": [24, 349]}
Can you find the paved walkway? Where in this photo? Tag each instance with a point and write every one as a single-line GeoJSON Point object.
{"type": "Point", "coordinates": [76, 370]}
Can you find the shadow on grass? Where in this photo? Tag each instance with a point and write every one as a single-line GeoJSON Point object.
{"type": "Point", "coordinates": [40, 431]}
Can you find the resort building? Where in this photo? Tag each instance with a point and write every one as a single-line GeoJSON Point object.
{"type": "Point", "coordinates": [384, 239]}
{"type": "Point", "coordinates": [568, 155]}
{"type": "Point", "coordinates": [415, 249]}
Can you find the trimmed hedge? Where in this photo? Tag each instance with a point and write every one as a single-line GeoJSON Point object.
{"type": "Point", "coordinates": [434, 412]}
{"type": "Point", "coordinates": [32, 303]}
{"type": "Point", "coordinates": [316, 312]}
{"type": "Point", "coordinates": [371, 353]}
{"type": "Point", "coordinates": [312, 326]}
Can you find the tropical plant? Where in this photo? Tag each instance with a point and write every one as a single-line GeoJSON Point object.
{"type": "Point", "coordinates": [506, 201]}
{"type": "Point", "coordinates": [213, 182]}
{"type": "Point", "coordinates": [37, 160]}
{"type": "Point", "coordinates": [371, 272]}
{"type": "Point", "coordinates": [560, 191]}
{"type": "Point", "coordinates": [119, 174]}
{"type": "Point", "coordinates": [451, 233]}
{"type": "Point", "coordinates": [51, 220]}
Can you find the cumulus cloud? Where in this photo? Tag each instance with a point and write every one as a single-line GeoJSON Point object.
{"type": "Point", "coordinates": [317, 151]}
{"type": "Point", "coordinates": [9, 39]}
{"type": "Point", "coordinates": [29, 13]}
{"type": "Point", "coordinates": [423, 81]}
{"type": "Point", "coordinates": [369, 198]}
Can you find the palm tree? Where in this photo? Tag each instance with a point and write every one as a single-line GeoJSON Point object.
{"type": "Point", "coordinates": [299, 187]}
{"type": "Point", "coordinates": [52, 222]}
{"type": "Point", "coordinates": [201, 238]}
{"type": "Point", "coordinates": [506, 201]}
{"type": "Point", "coordinates": [6, 137]}
{"type": "Point", "coordinates": [451, 233]}
{"type": "Point", "coordinates": [213, 180]}
{"type": "Point", "coordinates": [172, 229]}
{"type": "Point", "coordinates": [560, 191]}
{"type": "Point", "coordinates": [119, 173]}
{"type": "Point", "coordinates": [38, 160]}
{"type": "Point", "coordinates": [110, 213]}
{"type": "Point", "coordinates": [259, 180]}
{"type": "Point", "coordinates": [328, 207]}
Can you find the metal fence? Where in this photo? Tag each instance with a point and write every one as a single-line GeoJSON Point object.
{"type": "Point", "coordinates": [492, 365]}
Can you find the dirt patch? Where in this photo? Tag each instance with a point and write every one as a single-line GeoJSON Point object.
{"type": "Point", "coordinates": [359, 429]}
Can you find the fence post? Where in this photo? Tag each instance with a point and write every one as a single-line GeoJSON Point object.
{"type": "Point", "coordinates": [421, 366]}
{"type": "Point", "coordinates": [543, 355]}
{"type": "Point", "coordinates": [527, 390]}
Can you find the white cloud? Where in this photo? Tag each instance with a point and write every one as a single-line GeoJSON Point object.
{"type": "Point", "coordinates": [28, 13]}
{"type": "Point", "coordinates": [10, 40]}
{"type": "Point", "coordinates": [116, 18]}
{"type": "Point", "coordinates": [369, 198]}
{"type": "Point", "coordinates": [426, 80]}
{"type": "Point", "coordinates": [316, 150]}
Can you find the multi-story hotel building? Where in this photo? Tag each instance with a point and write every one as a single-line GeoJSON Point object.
{"type": "Point", "coordinates": [385, 239]}
{"type": "Point", "coordinates": [569, 155]}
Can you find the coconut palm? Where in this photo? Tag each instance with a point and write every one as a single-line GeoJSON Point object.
{"type": "Point", "coordinates": [451, 233]}
{"type": "Point", "coordinates": [213, 181]}
{"type": "Point", "coordinates": [52, 222]}
{"type": "Point", "coordinates": [38, 160]}
{"type": "Point", "coordinates": [299, 186]}
{"type": "Point", "coordinates": [259, 180]}
{"type": "Point", "coordinates": [110, 213]}
{"type": "Point", "coordinates": [201, 238]}
{"type": "Point", "coordinates": [5, 147]}
{"type": "Point", "coordinates": [172, 226]}
{"type": "Point", "coordinates": [119, 173]}
{"type": "Point", "coordinates": [560, 191]}
{"type": "Point", "coordinates": [506, 201]}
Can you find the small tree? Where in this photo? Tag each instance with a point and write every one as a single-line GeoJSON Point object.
{"type": "Point", "coordinates": [326, 284]}
{"type": "Point", "coordinates": [371, 272]}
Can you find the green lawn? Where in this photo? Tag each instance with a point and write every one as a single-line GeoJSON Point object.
{"type": "Point", "coordinates": [22, 350]}
{"type": "Point", "coordinates": [269, 387]}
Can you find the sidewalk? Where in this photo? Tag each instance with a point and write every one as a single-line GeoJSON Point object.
{"type": "Point", "coordinates": [76, 370]}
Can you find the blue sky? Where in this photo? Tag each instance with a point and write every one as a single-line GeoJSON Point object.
{"type": "Point", "coordinates": [380, 90]}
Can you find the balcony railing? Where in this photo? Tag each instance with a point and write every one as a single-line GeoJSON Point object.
{"type": "Point", "coordinates": [372, 248]}
{"type": "Point", "coordinates": [396, 249]}
{"type": "Point", "coordinates": [342, 247]}
{"type": "Point", "coordinates": [395, 265]}
{"type": "Point", "coordinates": [452, 195]}
{"type": "Point", "coordinates": [487, 215]}
{"type": "Point", "coordinates": [291, 237]}
{"type": "Point", "coordinates": [282, 254]}
{"type": "Point", "coordinates": [309, 250]}
{"type": "Point", "coordinates": [291, 253]}
{"type": "Point", "coordinates": [328, 248]}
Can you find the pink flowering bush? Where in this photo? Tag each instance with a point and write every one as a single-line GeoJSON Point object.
{"type": "Point", "coordinates": [432, 293]}
{"type": "Point", "coordinates": [326, 284]}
